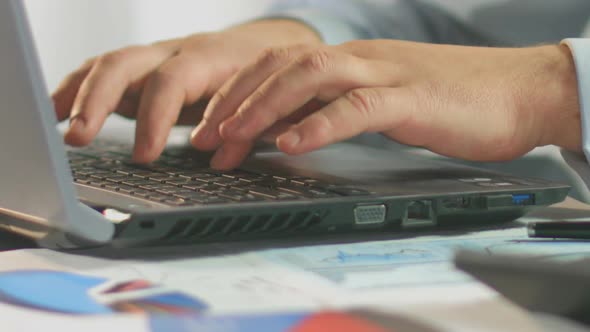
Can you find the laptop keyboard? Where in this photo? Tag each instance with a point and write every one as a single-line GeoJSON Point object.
{"type": "Point", "coordinates": [182, 177]}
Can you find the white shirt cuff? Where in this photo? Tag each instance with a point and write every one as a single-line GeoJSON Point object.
{"type": "Point", "coordinates": [580, 48]}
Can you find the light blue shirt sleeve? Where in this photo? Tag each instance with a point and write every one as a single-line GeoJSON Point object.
{"type": "Point", "coordinates": [338, 21]}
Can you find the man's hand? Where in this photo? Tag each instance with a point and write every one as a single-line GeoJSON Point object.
{"type": "Point", "coordinates": [163, 84]}
{"type": "Point", "coordinates": [483, 104]}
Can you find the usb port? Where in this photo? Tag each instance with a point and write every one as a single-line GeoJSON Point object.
{"type": "Point", "coordinates": [523, 199]}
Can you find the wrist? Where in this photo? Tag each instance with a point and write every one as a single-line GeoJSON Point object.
{"type": "Point", "coordinates": [561, 113]}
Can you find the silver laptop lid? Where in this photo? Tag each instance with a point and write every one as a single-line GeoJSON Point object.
{"type": "Point", "coordinates": [35, 179]}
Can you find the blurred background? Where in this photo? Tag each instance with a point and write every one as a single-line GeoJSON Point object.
{"type": "Point", "coordinates": [67, 32]}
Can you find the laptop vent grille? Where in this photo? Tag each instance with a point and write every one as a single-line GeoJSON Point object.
{"type": "Point", "coordinates": [234, 226]}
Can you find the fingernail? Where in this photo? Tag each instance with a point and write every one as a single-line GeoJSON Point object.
{"type": "Point", "coordinates": [218, 159]}
{"type": "Point", "coordinates": [201, 133]}
{"type": "Point", "coordinates": [290, 139]}
{"type": "Point", "coordinates": [77, 126]}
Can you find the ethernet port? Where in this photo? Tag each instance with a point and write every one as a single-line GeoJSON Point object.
{"type": "Point", "coordinates": [419, 214]}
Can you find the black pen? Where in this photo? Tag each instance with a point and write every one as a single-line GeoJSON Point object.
{"type": "Point", "coordinates": [560, 229]}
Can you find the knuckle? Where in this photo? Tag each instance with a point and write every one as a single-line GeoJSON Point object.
{"type": "Point", "coordinates": [275, 55]}
{"type": "Point", "coordinates": [115, 58]}
{"type": "Point", "coordinates": [259, 95]}
{"type": "Point", "coordinates": [316, 61]}
{"type": "Point", "coordinates": [165, 80]}
{"type": "Point", "coordinates": [111, 59]}
{"type": "Point", "coordinates": [322, 127]}
{"type": "Point", "coordinates": [250, 108]}
{"type": "Point", "coordinates": [220, 96]}
{"type": "Point", "coordinates": [215, 103]}
{"type": "Point", "coordinates": [164, 76]}
{"type": "Point", "coordinates": [364, 101]}
{"type": "Point", "coordinates": [88, 63]}
{"type": "Point", "coordinates": [249, 104]}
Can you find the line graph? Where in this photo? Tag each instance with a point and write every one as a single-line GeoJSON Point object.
{"type": "Point", "coordinates": [426, 261]}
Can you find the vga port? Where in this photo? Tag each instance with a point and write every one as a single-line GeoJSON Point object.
{"type": "Point", "coordinates": [370, 214]}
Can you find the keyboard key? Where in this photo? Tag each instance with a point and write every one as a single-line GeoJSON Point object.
{"type": "Point", "coordinates": [150, 186]}
{"type": "Point", "coordinates": [178, 182]}
{"type": "Point", "coordinates": [98, 183]}
{"type": "Point", "coordinates": [158, 198]}
{"type": "Point", "coordinates": [126, 189]}
{"type": "Point", "coordinates": [241, 197]}
{"type": "Point", "coordinates": [271, 193]}
{"type": "Point", "coordinates": [195, 185]}
{"type": "Point", "coordinates": [166, 189]}
{"type": "Point", "coordinates": [160, 178]}
{"type": "Point", "coordinates": [117, 178]}
{"type": "Point", "coordinates": [174, 201]}
{"type": "Point", "coordinates": [111, 187]}
{"type": "Point", "coordinates": [226, 182]}
{"type": "Point", "coordinates": [214, 200]}
{"type": "Point", "coordinates": [142, 193]}
{"type": "Point", "coordinates": [135, 182]}
{"type": "Point", "coordinates": [82, 181]}
{"type": "Point", "coordinates": [184, 193]}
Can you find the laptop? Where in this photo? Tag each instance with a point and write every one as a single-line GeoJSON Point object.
{"type": "Point", "coordinates": [70, 198]}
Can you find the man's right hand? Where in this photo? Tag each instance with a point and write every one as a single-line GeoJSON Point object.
{"type": "Point", "coordinates": [166, 83]}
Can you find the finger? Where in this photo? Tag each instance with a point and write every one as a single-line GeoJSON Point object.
{"type": "Point", "coordinates": [229, 97]}
{"type": "Point", "coordinates": [65, 94]}
{"type": "Point", "coordinates": [103, 88]}
{"type": "Point", "coordinates": [359, 111]}
{"type": "Point", "coordinates": [323, 75]}
{"type": "Point", "coordinates": [230, 155]}
{"type": "Point", "coordinates": [178, 83]}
